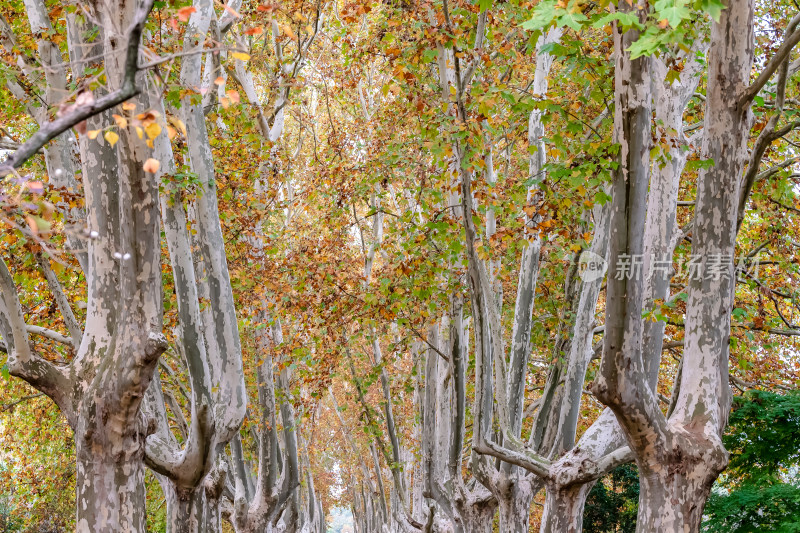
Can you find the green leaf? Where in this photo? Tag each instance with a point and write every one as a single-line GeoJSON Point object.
{"type": "Point", "coordinates": [572, 20]}
{"type": "Point", "coordinates": [672, 76]}
{"type": "Point", "coordinates": [645, 45]}
{"type": "Point", "coordinates": [543, 15]}
{"type": "Point", "coordinates": [627, 20]}
{"type": "Point", "coordinates": [713, 8]}
{"type": "Point", "coordinates": [674, 11]}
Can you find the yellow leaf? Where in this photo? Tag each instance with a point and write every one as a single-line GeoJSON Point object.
{"type": "Point", "coordinates": [152, 130]}
{"type": "Point", "coordinates": [128, 106]}
{"type": "Point", "coordinates": [241, 56]}
{"type": "Point", "coordinates": [111, 137]}
{"type": "Point", "coordinates": [92, 134]}
{"type": "Point", "coordinates": [139, 132]}
{"type": "Point", "coordinates": [171, 132]}
{"type": "Point", "coordinates": [178, 123]}
{"type": "Point", "coordinates": [151, 165]}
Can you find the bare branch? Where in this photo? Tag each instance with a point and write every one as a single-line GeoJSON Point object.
{"type": "Point", "coordinates": [13, 404]}
{"type": "Point", "coordinates": [782, 55]}
{"type": "Point", "coordinates": [49, 334]}
{"type": "Point", "coordinates": [62, 302]}
{"type": "Point", "coordinates": [527, 460]}
{"type": "Point", "coordinates": [767, 136]}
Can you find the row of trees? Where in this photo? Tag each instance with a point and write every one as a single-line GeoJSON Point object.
{"type": "Point", "coordinates": [333, 254]}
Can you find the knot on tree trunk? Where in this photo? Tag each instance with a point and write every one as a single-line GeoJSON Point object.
{"type": "Point", "coordinates": [156, 345]}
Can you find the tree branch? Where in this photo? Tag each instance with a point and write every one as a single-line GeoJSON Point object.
{"type": "Point", "coordinates": [89, 107]}
{"type": "Point", "coordinates": [50, 334]}
{"type": "Point", "coordinates": [527, 460]}
{"type": "Point", "coordinates": [75, 331]}
{"type": "Point", "coordinates": [791, 39]}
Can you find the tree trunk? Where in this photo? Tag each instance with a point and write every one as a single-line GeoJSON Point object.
{"type": "Point", "coordinates": [515, 502]}
{"type": "Point", "coordinates": [672, 498]}
{"type": "Point", "coordinates": [110, 482]}
{"type": "Point", "coordinates": [184, 509]}
{"type": "Point", "coordinates": [563, 508]}
{"type": "Point", "coordinates": [477, 515]}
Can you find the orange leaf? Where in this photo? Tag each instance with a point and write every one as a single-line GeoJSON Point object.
{"type": "Point", "coordinates": [32, 224]}
{"type": "Point", "coordinates": [185, 12]}
{"type": "Point", "coordinates": [121, 121]}
{"type": "Point", "coordinates": [151, 165]}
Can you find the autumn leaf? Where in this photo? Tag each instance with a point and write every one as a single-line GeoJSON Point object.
{"type": "Point", "coordinates": [185, 12]}
{"type": "Point", "coordinates": [178, 123]}
{"type": "Point", "coordinates": [289, 32]}
{"type": "Point", "coordinates": [111, 137]}
{"type": "Point", "coordinates": [241, 56]}
{"type": "Point", "coordinates": [152, 130]}
{"type": "Point", "coordinates": [121, 121]}
{"type": "Point", "coordinates": [151, 165]}
{"type": "Point", "coordinates": [35, 187]}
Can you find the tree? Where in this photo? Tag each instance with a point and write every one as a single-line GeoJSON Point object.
{"type": "Point", "coordinates": [101, 389]}
{"type": "Point", "coordinates": [679, 457]}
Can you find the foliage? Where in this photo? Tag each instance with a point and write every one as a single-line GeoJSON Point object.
{"type": "Point", "coordinates": [613, 502]}
{"type": "Point", "coordinates": [760, 491]}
